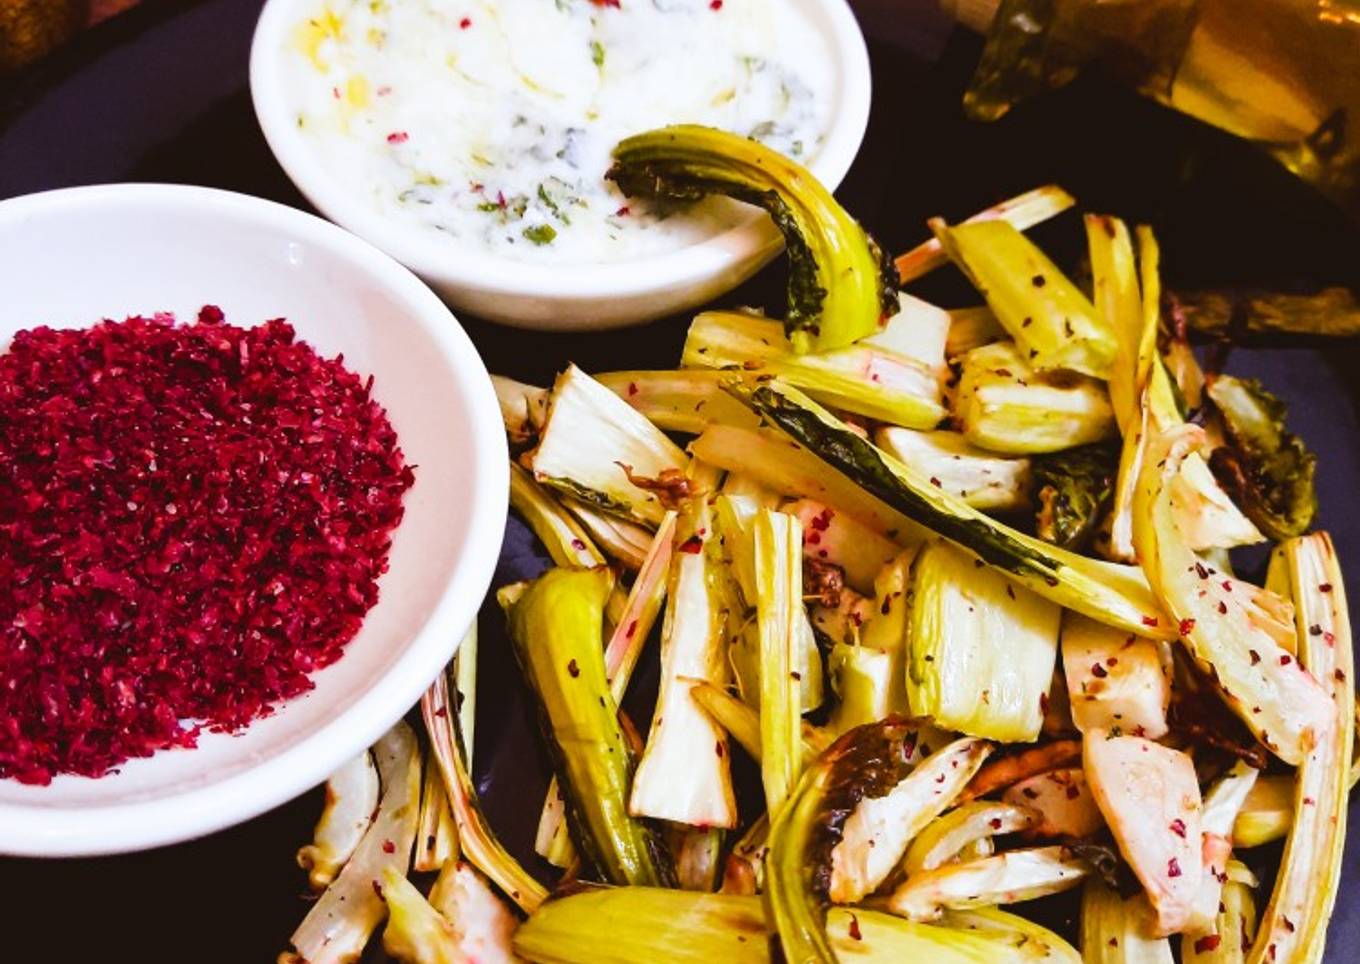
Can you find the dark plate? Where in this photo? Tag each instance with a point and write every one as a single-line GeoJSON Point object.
{"type": "Point", "coordinates": [160, 94]}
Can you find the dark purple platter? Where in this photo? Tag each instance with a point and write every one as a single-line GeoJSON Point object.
{"type": "Point", "coordinates": [160, 94]}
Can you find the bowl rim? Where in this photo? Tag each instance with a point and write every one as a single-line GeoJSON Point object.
{"type": "Point", "coordinates": [46, 831]}
{"type": "Point", "coordinates": [682, 268]}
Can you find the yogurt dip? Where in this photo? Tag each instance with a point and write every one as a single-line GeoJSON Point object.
{"type": "Point", "coordinates": [489, 124]}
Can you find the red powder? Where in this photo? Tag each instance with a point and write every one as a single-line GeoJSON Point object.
{"type": "Point", "coordinates": [193, 518]}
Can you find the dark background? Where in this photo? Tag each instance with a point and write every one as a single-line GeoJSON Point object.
{"type": "Point", "coordinates": [160, 94]}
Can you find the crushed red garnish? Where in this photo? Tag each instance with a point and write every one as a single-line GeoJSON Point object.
{"type": "Point", "coordinates": [193, 519]}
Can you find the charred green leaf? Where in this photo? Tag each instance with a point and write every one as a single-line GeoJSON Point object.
{"type": "Point", "coordinates": [840, 283]}
{"type": "Point", "coordinates": [1074, 490]}
{"type": "Point", "coordinates": [867, 762]}
{"type": "Point", "coordinates": [1266, 468]}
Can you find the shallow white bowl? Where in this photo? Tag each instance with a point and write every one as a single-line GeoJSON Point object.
{"type": "Point", "coordinates": [73, 257]}
{"type": "Point", "coordinates": [566, 296]}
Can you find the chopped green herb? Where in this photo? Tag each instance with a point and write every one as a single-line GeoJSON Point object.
{"type": "Point", "coordinates": [540, 233]}
{"type": "Point", "coordinates": [554, 203]}
{"type": "Point", "coordinates": [597, 53]}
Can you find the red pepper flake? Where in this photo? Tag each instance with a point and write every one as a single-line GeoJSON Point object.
{"type": "Point", "coordinates": [622, 212]}
{"type": "Point", "coordinates": [1315, 630]}
{"type": "Point", "coordinates": [1173, 868]}
{"type": "Point", "coordinates": [267, 483]}
{"type": "Point", "coordinates": [1073, 791]}
{"type": "Point", "coordinates": [1339, 676]}
{"type": "Point", "coordinates": [1288, 924]}
{"type": "Point", "coordinates": [936, 482]}
{"type": "Point", "coordinates": [632, 389]}
{"type": "Point", "coordinates": [606, 3]}
{"type": "Point", "coordinates": [1222, 608]}
{"type": "Point", "coordinates": [715, 4]}
{"type": "Point", "coordinates": [1186, 626]}
{"type": "Point", "coordinates": [1149, 620]}
{"type": "Point", "coordinates": [1325, 587]}
{"type": "Point", "coordinates": [389, 847]}
{"type": "Point", "coordinates": [578, 544]}
{"type": "Point", "coordinates": [377, 889]}
{"type": "Point", "coordinates": [572, 669]}
{"type": "Point", "coordinates": [398, 137]}
{"type": "Point", "coordinates": [822, 520]}
{"type": "Point", "coordinates": [1255, 656]}
{"type": "Point", "coordinates": [1201, 571]}
{"type": "Point", "coordinates": [1030, 793]}
{"type": "Point", "coordinates": [1178, 827]}
{"type": "Point", "coordinates": [464, 23]}
{"type": "Point", "coordinates": [1113, 942]}
{"type": "Point", "coordinates": [1285, 659]}
{"type": "Point", "coordinates": [1329, 638]}
{"type": "Point", "coordinates": [1207, 943]}
{"type": "Point", "coordinates": [995, 823]}
{"type": "Point", "coordinates": [632, 630]}
{"type": "Point", "coordinates": [854, 921]}
{"type": "Point", "coordinates": [692, 546]}
{"type": "Point", "coordinates": [1098, 671]}
{"type": "Point", "coordinates": [719, 748]}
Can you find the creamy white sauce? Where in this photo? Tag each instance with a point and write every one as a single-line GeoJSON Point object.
{"type": "Point", "coordinates": [489, 124]}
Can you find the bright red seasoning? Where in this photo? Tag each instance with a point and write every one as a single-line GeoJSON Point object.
{"type": "Point", "coordinates": [193, 519]}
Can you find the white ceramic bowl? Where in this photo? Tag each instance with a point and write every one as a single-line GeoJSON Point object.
{"type": "Point", "coordinates": [73, 257]}
{"type": "Point", "coordinates": [567, 296]}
